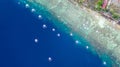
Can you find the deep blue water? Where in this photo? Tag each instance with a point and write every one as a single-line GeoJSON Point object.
{"type": "Point", "coordinates": [18, 29]}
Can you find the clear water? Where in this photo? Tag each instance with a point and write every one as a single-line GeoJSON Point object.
{"type": "Point", "coordinates": [19, 27]}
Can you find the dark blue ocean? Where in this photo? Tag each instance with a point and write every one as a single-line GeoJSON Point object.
{"type": "Point", "coordinates": [18, 29]}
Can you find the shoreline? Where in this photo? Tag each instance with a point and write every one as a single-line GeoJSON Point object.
{"type": "Point", "coordinates": [109, 11]}
{"type": "Point", "coordinates": [91, 25]}
{"type": "Point", "coordinates": [110, 19]}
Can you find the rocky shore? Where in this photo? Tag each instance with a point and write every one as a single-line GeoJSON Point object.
{"type": "Point", "coordinates": [110, 9]}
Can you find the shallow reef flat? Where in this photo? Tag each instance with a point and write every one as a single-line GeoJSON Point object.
{"type": "Point", "coordinates": [104, 35]}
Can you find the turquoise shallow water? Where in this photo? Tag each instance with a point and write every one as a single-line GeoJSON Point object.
{"type": "Point", "coordinates": [47, 16]}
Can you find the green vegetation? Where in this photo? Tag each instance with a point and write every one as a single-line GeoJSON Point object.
{"type": "Point", "coordinates": [81, 1]}
{"type": "Point", "coordinates": [114, 12]}
{"type": "Point", "coordinates": [98, 5]}
{"type": "Point", "coordinates": [115, 15]}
